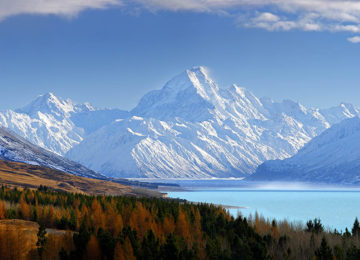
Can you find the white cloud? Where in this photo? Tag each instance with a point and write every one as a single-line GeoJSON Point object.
{"type": "Point", "coordinates": [272, 22]}
{"type": "Point", "coordinates": [53, 7]}
{"type": "Point", "coordinates": [347, 28]}
{"type": "Point", "coordinates": [355, 39]}
{"type": "Point", "coordinates": [267, 17]}
{"type": "Point", "coordinates": [272, 15]}
{"type": "Point", "coordinates": [347, 10]}
{"type": "Point", "coordinates": [306, 15]}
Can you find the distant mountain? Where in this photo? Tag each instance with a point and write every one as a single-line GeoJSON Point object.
{"type": "Point", "coordinates": [15, 148]}
{"type": "Point", "coordinates": [191, 128]}
{"type": "Point", "coordinates": [57, 124]}
{"type": "Point", "coordinates": [332, 157]}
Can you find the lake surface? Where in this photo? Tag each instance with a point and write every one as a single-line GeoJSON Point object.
{"type": "Point", "coordinates": [336, 208]}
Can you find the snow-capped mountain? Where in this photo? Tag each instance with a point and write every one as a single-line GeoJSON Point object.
{"type": "Point", "coordinates": [56, 124]}
{"type": "Point", "coordinates": [191, 128]}
{"type": "Point", "coordinates": [332, 157]}
{"type": "Point", "coordinates": [15, 148]}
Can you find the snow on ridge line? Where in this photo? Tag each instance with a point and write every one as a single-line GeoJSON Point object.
{"type": "Point", "coordinates": [180, 130]}
{"type": "Point", "coordinates": [331, 157]}
{"type": "Point", "coordinates": [15, 148]}
{"type": "Point", "coordinates": [57, 124]}
{"type": "Point", "coordinates": [210, 132]}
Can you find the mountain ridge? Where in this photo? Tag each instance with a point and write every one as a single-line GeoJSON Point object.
{"type": "Point", "coordinates": [57, 124]}
{"type": "Point", "coordinates": [191, 128]}
{"type": "Point", "coordinates": [15, 148]}
{"type": "Point", "coordinates": [331, 157]}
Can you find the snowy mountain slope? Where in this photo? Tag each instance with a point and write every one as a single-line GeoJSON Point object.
{"type": "Point", "coordinates": [332, 157]}
{"type": "Point", "coordinates": [93, 120]}
{"type": "Point", "coordinates": [336, 114]}
{"type": "Point", "coordinates": [15, 148]}
{"type": "Point", "coordinates": [56, 124]}
{"type": "Point", "coordinates": [192, 128]}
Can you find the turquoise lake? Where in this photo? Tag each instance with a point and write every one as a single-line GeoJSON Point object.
{"type": "Point", "coordinates": [336, 209]}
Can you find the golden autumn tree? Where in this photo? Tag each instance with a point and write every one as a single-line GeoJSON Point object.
{"type": "Point", "coordinates": [196, 231]}
{"type": "Point", "coordinates": [182, 225]}
{"type": "Point", "coordinates": [119, 253]}
{"type": "Point", "coordinates": [24, 208]}
{"type": "Point", "coordinates": [93, 250]}
{"type": "Point", "coordinates": [2, 210]}
{"type": "Point", "coordinates": [128, 250]}
{"type": "Point", "coordinates": [97, 215]}
{"type": "Point", "coordinates": [50, 218]}
{"type": "Point", "coordinates": [168, 225]}
{"type": "Point", "coordinates": [275, 230]}
{"type": "Point", "coordinates": [114, 222]}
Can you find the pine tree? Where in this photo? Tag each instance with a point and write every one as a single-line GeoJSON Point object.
{"type": "Point", "coordinates": [324, 252]}
{"type": "Point", "coordinates": [274, 230]}
{"type": "Point", "coordinates": [107, 243]}
{"type": "Point", "coordinates": [81, 239]}
{"type": "Point", "coordinates": [41, 240]}
{"type": "Point", "coordinates": [356, 228]}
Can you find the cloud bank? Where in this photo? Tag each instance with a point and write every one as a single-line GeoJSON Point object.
{"type": "Point", "coordinates": [67, 8]}
{"type": "Point", "coordinates": [271, 15]}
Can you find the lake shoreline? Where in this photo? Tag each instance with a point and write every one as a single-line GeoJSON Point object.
{"type": "Point", "coordinates": [292, 205]}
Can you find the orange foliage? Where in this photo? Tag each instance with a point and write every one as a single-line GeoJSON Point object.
{"type": "Point", "coordinates": [169, 225]}
{"type": "Point", "coordinates": [93, 250]}
{"type": "Point", "coordinates": [24, 208]}
{"type": "Point", "coordinates": [182, 226]}
{"type": "Point", "coordinates": [50, 220]}
{"type": "Point", "coordinates": [197, 232]}
{"type": "Point", "coordinates": [2, 210]}
{"type": "Point", "coordinates": [114, 222]}
{"type": "Point", "coordinates": [119, 252]}
{"type": "Point", "coordinates": [97, 216]}
{"type": "Point", "coordinates": [128, 250]}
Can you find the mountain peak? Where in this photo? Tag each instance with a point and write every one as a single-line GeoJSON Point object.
{"type": "Point", "coordinates": [45, 98]}
{"type": "Point", "coordinates": [48, 95]}
{"type": "Point", "coordinates": [190, 90]}
{"type": "Point", "coordinates": [200, 71]}
{"type": "Point", "coordinates": [48, 104]}
{"type": "Point", "coordinates": [196, 77]}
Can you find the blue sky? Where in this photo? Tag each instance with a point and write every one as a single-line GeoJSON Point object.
{"type": "Point", "coordinates": [111, 53]}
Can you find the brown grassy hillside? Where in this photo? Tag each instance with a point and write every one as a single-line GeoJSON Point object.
{"type": "Point", "coordinates": [30, 176]}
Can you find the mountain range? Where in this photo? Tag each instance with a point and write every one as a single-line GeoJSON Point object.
{"type": "Point", "coordinates": [57, 124]}
{"type": "Point", "coordinates": [17, 149]}
{"type": "Point", "coordinates": [190, 128]}
{"type": "Point", "coordinates": [332, 157]}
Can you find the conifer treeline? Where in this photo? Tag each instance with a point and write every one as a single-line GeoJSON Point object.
{"type": "Point", "coordinates": [133, 228]}
{"type": "Point", "coordinates": [107, 227]}
{"type": "Point", "coordinates": [286, 240]}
